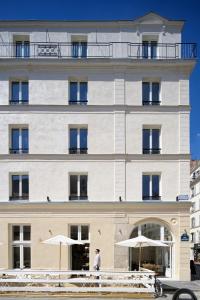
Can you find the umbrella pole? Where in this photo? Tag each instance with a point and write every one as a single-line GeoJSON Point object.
{"type": "Point", "coordinates": [59, 263]}
{"type": "Point", "coordinates": [139, 256]}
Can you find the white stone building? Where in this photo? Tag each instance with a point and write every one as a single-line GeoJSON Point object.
{"type": "Point", "coordinates": [94, 124]}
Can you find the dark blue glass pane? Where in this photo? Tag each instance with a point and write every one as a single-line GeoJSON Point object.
{"type": "Point", "coordinates": [73, 91]}
{"type": "Point", "coordinates": [153, 49]}
{"type": "Point", "coordinates": [83, 185]}
{"type": "Point", "coordinates": [15, 139]}
{"type": "Point", "coordinates": [25, 185]}
{"type": "Point", "coordinates": [155, 91]}
{"type": "Point", "coordinates": [73, 138]}
{"type": "Point", "coordinates": [25, 139]}
{"type": "Point", "coordinates": [15, 91]}
{"type": "Point", "coordinates": [155, 138]}
{"type": "Point", "coordinates": [146, 138]}
{"type": "Point", "coordinates": [83, 91]}
{"type": "Point", "coordinates": [15, 185]}
{"type": "Point", "coordinates": [25, 94]}
{"type": "Point", "coordinates": [18, 49]}
{"type": "Point", "coordinates": [83, 49]}
{"type": "Point", "coordinates": [145, 91]}
{"type": "Point", "coordinates": [26, 49]}
{"type": "Point", "coordinates": [145, 186]}
{"type": "Point", "coordinates": [83, 138]}
{"type": "Point", "coordinates": [75, 49]}
{"type": "Point", "coordinates": [145, 46]}
{"type": "Point", "coordinates": [155, 185]}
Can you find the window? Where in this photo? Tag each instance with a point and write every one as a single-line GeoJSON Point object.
{"type": "Point", "coordinates": [78, 92]}
{"type": "Point", "coordinates": [19, 92]}
{"type": "Point", "coordinates": [22, 47]}
{"type": "Point", "coordinates": [79, 232]}
{"type": "Point", "coordinates": [78, 187]}
{"type": "Point", "coordinates": [21, 246]}
{"type": "Point", "coordinates": [78, 140]}
{"type": "Point", "coordinates": [151, 141]}
{"type": "Point", "coordinates": [151, 187]}
{"type": "Point", "coordinates": [149, 49]}
{"type": "Point", "coordinates": [79, 49]}
{"type": "Point", "coordinates": [19, 187]}
{"type": "Point", "coordinates": [193, 222]}
{"type": "Point", "coordinates": [19, 140]}
{"type": "Point", "coordinates": [150, 93]}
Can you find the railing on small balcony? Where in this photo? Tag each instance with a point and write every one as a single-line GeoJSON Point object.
{"type": "Point", "coordinates": [18, 102]}
{"type": "Point", "coordinates": [151, 198]}
{"type": "Point", "coordinates": [18, 150]}
{"type": "Point", "coordinates": [101, 50]}
{"type": "Point", "coordinates": [151, 150]}
{"type": "Point", "coordinates": [78, 102]}
{"type": "Point", "coordinates": [146, 102]}
{"type": "Point", "coordinates": [74, 197]}
{"type": "Point", "coordinates": [78, 150]}
{"type": "Point", "coordinates": [17, 197]}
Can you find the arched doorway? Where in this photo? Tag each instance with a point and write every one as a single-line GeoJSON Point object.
{"type": "Point", "coordinates": [158, 259]}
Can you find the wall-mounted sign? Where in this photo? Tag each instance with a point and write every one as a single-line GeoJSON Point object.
{"type": "Point", "coordinates": [185, 237]}
{"type": "Point", "coordinates": [182, 198]}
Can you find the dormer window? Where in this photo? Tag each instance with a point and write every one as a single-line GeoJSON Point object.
{"type": "Point", "coordinates": [21, 46]}
{"type": "Point", "coordinates": [79, 46]}
{"type": "Point", "coordinates": [150, 47]}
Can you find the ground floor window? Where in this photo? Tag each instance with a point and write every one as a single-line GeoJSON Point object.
{"type": "Point", "coordinates": [21, 246]}
{"type": "Point", "coordinates": [158, 259]}
{"type": "Point", "coordinates": [80, 253]}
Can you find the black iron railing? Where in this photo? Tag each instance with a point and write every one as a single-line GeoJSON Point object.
{"type": "Point", "coordinates": [151, 197]}
{"type": "Point", "coordinates": [18, 151]}
{"type": "Point", "coordinates": [71, 197]}
{"type": "Point", "coordinates": [77, 102]}
{"type": "Point", "coordinates": [17, 197]}
{"type": "Point", "coordinates": [18, 102]}
{"type": "Point", "coordinates": [99, 50]}
{"type": "Point", "coordinates": [151, 150]}
{"type": "Point", "coordinates": [78, 150]}
{"type": "Point", "coordinates": [151, 102]}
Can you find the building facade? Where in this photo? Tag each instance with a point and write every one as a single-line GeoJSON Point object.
{"type": "Point", "coordinates": [195, 209]}
{"type": "Point", "coordinates": [94, 122]}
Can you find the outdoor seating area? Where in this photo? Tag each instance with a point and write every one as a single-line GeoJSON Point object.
{"type": "Point", "coordinates": [76, 281]}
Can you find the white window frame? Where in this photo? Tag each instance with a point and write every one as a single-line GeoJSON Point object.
{"type": "Point", "coordinates": [151, 183]}
{"type": "Point", "coordinates": [20, 128]}
{"type": "Point", "coordinates": [20, 183]}
{"type": "Point", "coordinates": [78, 88]}
{"type": "Point", "coordinates": [21, 243]}
{"type": "Point", "coordinates": [150, 136]}
{"type": "Point", "coordinates": [80, 232]}
{"type": "Point", "coordinates": [78, 184]}
{"type": "Point", "coordinates": [79, 127]}
{"type": "Point", "coordinates": [20, 87]}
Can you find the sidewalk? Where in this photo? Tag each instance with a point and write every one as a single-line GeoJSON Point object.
{"type": "Point", "coordinates": [174, 285]}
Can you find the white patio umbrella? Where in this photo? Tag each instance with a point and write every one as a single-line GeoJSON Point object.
{"type": "Point", "coordinates": [140, 242]}
{"type": "Point", "coordinates": [61, 240]}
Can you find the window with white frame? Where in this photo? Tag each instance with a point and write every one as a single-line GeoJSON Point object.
{"type": "Point", "coordinates": [78, 187]}
{"type": "Point", "coordinates": [79, 46]}
{"type": "Point", "coordinates": [19, 92]}
{"type": "Point", "coordinates": [80, 232]}
{"type": "Point", "coordinates": [78, 92]}
{"type": "Point", "coordinates": [21, 46]}
{"type": "Point", "coordinates": [149, 46]}
{"type": "Point", "coordinates": [19, 140]}
{"type": "Point", "coordinates": [150, 93]}
{"type": "Point", "coordinates": [19, 189]}
{"type": "Point", "coordinates": [21, 246]}
{"type": "Point", "coordinates": [151, 187]}
{"type": "Point", "coordinates": [151, 140]}
{"type": "Point", "coordinates": [78, 140]}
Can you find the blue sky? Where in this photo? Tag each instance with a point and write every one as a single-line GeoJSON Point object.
{"type": "Point", "coordinates": [188, 10]}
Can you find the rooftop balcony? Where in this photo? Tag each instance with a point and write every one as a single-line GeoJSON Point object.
{"type": "Point", "coordinates": [84, 50]}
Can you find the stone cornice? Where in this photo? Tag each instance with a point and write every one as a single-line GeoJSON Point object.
{"type": "Point", "coordinates": [93, 108]}
{"type": "Point", "coordinates": [94, 157]}
{"type": "Point", "coordinates": [95, 207]}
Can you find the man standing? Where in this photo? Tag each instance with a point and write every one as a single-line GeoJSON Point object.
{"type": "Point", "coordinates": [97, 260]}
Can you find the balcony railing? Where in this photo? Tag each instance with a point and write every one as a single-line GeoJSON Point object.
{"type": "Point", "coordinates": [78, 150]}
{"type": "Point", "coordinates": [72, 197]}
{"type": "Point", "coordinates": [78, 102]}
{"type": "Point", "coordinates": [18, 102]}
{"type": "Point", "coordinates": [152, 198]}
{"type": "Point", "coordinates": [151, 102]}
{"type": "Point", "coordinates": [17, 197]}
{"type": "Point", "coordinates": [151, 151]}
{"type": "Point", "coordinates": [101, 50]}
{"type": "Point", "coordinates": [18, 151]}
